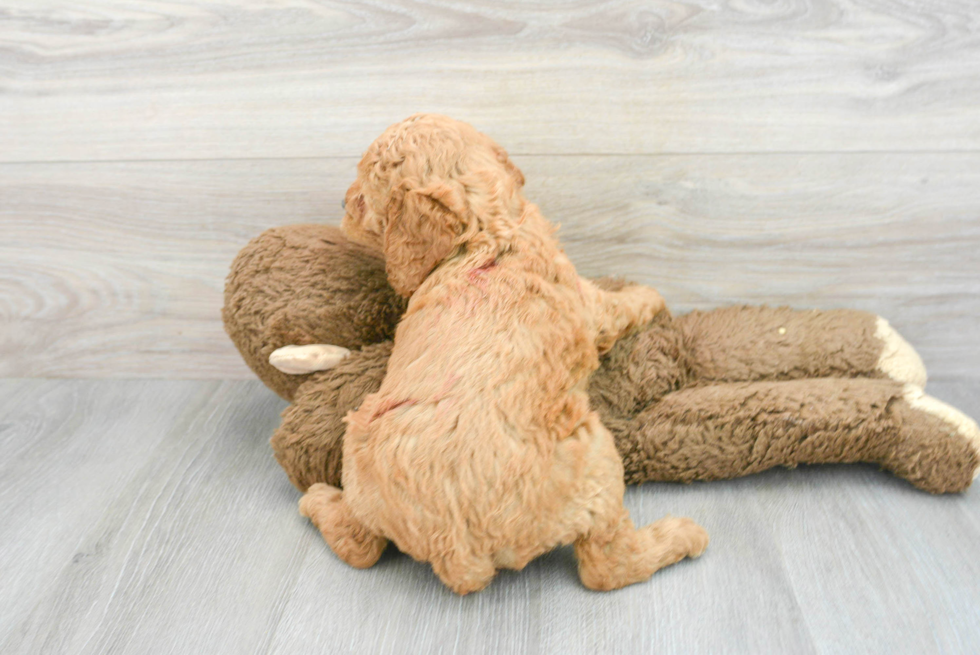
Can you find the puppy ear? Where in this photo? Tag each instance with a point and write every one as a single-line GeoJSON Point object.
{"type": "Point", "coordinates": [423, 229]}
{"type": "Point", "coordinates": [513, 170]}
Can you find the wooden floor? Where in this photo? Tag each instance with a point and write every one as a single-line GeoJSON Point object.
{"type": "Point", "coordinates": [814, 153]}
{"type": "Point", "coordinates": [149, 517]}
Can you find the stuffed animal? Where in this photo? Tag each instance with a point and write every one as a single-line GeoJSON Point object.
{"type": "Point", "coordinates": [703, 396]}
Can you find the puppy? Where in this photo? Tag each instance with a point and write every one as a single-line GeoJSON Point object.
{"type": "Point", "coordinates": [479, 452]}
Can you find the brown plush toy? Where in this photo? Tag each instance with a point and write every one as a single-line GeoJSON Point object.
{"type": "Point", "coordinates": [704, 396]}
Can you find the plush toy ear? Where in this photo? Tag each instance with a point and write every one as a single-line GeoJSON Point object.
{"type": "Point", "coordinates": [423, 229]}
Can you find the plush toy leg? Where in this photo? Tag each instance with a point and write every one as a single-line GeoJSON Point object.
{"type": "Point", "coordinates": [765, 343]}
{"type": "Point", "coordinates": [728, 430]}
{"type": "Point", "coordinates": [348, 537]}
{"type": "Point", "coordinates": [611, 552]}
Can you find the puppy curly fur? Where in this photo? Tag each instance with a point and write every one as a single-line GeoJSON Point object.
{"type": "Point", "coordinates": [480, 450]}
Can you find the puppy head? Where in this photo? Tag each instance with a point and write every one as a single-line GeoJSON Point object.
{"type": "Point", "coordinates": [428, 188]}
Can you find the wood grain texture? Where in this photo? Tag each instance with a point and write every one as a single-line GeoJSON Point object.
{"type": "Point", "coordinates": [129, 80]}
{"type": "Point", "coordinates": [117, 269]}
{"type": "Point", "coordinates": [150, 517]}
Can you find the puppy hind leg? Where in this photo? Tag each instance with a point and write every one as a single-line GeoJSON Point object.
{"type": "Point", "coordinates": [348, 538]}
{"type": "Point", "coordinates": [618, 554]}
{"type": "Point", "coordinates": [611, 552]}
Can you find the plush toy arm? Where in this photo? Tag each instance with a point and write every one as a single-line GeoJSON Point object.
{"type": "Point", "coordinates": [728, 430]}
{"type": "Point", "coordinates": [309, 441]}
{"type": "Point", "coordinates": [768, 343]}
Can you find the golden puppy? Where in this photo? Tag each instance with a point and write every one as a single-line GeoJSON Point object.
{"type": "Point", "coordinates": [479, 451]}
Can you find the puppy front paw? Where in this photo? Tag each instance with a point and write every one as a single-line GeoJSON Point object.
{"type": "Point", "coordinates": [647, 303]}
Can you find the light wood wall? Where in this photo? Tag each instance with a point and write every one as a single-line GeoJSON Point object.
{"type": "Point", "coordinates": [815, 153]}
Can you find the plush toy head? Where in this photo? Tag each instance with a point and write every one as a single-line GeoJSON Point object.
{"type": "Point", "coordinates": [306, 284]}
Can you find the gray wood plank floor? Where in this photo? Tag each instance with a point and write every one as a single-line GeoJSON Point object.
{"type": "Point", "coordinates": [151, 517]}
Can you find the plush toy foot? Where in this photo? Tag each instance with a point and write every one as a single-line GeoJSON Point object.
{"type": "Point", "coordinates": [625, 555]}
{"type": "Point", "coordinates": [898, 359]}
{"type": "Point", "coordinates": [959, 423]}
{"type": "Point", "coordinates": [298, 360]}
{"type": "Point", "coordinates": [348, 537]}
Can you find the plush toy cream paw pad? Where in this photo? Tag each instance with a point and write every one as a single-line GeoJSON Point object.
{"type": "Point", "coordinates": [297, 360]}
{"type": "Point", "coordinates": [898, 359]}
{"type": "Point", "coordinates": [963, 424]}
